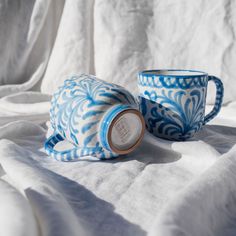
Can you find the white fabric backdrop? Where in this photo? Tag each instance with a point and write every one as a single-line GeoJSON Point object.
{"type": "Point", "coordinates": [134, 35]}
{"type": "Point", "coordinates": [163, 188]}
{"type": "Point", "coordinates": [45, 41]}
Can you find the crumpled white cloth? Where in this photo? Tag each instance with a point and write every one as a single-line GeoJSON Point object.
{"type": "Point", "coordinates": [163, 188]}
{"type": "Point", "coordinates": [114, 40]}
{"type": "Point", "coordinates": [210, 200]}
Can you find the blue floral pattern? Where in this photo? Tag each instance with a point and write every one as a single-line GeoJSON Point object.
{"type": "Point", "coordinates": [76, 111]}
{"type": "Point", "coordinates": [174, 107]}
{"type": "Point", "coordinates": [173, 115]}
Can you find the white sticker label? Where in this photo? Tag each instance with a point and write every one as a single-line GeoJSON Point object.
{"type": "Point", "coordinates": [126, 131]}
{"type": "Point", "coordinates": [123, 129]}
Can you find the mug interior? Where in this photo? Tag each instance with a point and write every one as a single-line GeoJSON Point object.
{"type": "Point", "coordinates": [174, 73]}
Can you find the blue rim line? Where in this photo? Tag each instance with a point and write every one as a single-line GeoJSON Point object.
{"type": "Point", "coordinates": [177, 76]}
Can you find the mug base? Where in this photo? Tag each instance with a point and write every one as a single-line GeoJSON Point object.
{"type": "Point", "coordinates": [126, 131]}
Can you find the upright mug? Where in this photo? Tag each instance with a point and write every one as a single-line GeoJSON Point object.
{"type": "Point", "coordinates": [173, 101]}
{"type": "Point", "coordinates": [101, 119]}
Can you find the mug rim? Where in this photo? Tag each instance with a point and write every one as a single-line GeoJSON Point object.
{"type": "Point", "coordinates": [151, 73]}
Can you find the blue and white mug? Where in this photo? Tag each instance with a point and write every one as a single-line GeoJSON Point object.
{"type": "Point", "coordinates": [101, 119]}
{"type": "Point", "coordinates": [173, 101]}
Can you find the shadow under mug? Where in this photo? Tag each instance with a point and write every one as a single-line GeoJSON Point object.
{"type": "Point", "coordinates": [173, 101]}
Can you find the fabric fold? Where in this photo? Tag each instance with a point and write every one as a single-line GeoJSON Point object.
{"type": "Point", "coordinates": [206, 207]}
{"type": "Point", "coordinates": [16, 215]}
{"type": "Point", "coordinates": [54, 214]}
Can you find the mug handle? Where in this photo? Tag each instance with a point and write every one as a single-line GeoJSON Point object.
{"type": "Point", "coordinates": [70, 154]}
{"type": "Point", "coordinates": [219, 98]}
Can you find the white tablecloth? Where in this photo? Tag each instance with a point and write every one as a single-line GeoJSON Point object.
{"type": "Point", "coordinates": [162, 188]}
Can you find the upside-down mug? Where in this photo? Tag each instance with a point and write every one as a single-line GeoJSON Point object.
{"type": "Point", "coordinates": [100, 119]}
{"type": "Point", "coordinates": [173, 101]}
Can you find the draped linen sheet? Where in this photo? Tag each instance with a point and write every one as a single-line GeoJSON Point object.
{"type": "Point", "coordinates": [162, 188]}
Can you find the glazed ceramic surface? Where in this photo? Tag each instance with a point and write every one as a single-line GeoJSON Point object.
{"type": "Point", "coordinates": [173, 101]}
{"type": "Point", "coordinates": [82, 111]}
